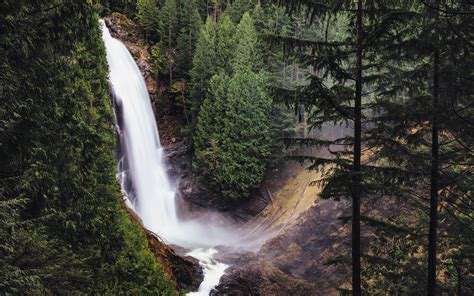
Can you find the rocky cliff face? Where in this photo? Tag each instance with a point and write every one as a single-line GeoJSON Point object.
{"type": "Point", "coordinates": [129, 33]}
{"type": "Point", "coordinates": [295, 261]}
{"type": "Point", "coordinates": [310, 256]}
{"type": "Point", "coordinates": [184, 270]}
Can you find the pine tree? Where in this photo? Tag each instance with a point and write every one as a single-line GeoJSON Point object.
{"type": "Point", "coordinates": [456, 96]}
{"type": "Point", "coordinates": [214, 50]}
{"type": "Point", "coordinates": [226, 41]}
{"type": "Point", "coordinates": [33, 263]}
{"type": "Point", "coordinates": [187, 37]}
{"type": "Point", "coordinates": [204, 65]}
{"type": "Point", "coordinates": [207, 137]}
{"type": "Point", "coordinates": [247, 54]}
{"type": "Point", "coordinates": [215, 8]}
{"type": "Point", "coordinates": [168, 26]}
{"type": "Point", "coordinates": [169, 33]}
{"type": "Point", "coordinates": [414, 129]}
{"type": "Point", "coordinates": [148, 18]}
{"type": "Point", "coordinates": [246, 134]}
{"type": "Point", "coordinates": [232, 138]}
{"type": "Point", "coordinates": [238, 8]}
{"type": "Point", "coordinates": [127, 7]}
{"type": "Point", "coordinates": [349, 77]}
{"type": "Point", "coordinates": [411, 139]}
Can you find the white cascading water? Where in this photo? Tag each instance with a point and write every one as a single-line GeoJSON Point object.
{"type": "Point", "coordinates": [153, 196]}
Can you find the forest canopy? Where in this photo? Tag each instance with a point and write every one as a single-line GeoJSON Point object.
{"type": "Point", "coordinates": [254, 83]}
{"type": "Point", "coordinates": [64, 227]}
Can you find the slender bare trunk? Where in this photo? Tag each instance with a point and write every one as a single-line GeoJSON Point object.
{"type": "Point", "coordinates": [356, 178]}
{"type": "Point", "coordinates": [434, 182]}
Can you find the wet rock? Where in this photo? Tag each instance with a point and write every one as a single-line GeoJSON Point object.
{"type": "Point", "coordinates": [185, 271]}
{"type": "Point", "coordinates": [295, 261]}
{"type": "Point", "coordinates": [128, 32]}
{"type": "Point", "coordinates": [123, 28]}
{"type": "Point", "coordinates": [253, 276]}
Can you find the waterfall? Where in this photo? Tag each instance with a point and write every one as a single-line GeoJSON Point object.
{"type": "Point", "coordinates": [144, 176]}
{"type": "Point", "coordinates": [154, 195]}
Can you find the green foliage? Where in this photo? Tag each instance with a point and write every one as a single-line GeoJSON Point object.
{"type": "Point", "coordinates": [190, 22]}
{"type": "Point", "coordinates": [31, 262]}
{"type": "Point", "coordinates": [214, 51]}
{"type": "Point", "coordinates": [127, 7]}
{"type": "Point", "coordinates": [204, 63]}
{"type": "Point", "coordinates": [233, 56]}
{"type": "Point", "coordinates": [246, 136]}
{"type": "Point", "coordinates": [226, 42]}
{"type": "Point", "coordinates": [148, 17]}
{"type": "Point", "coordinates": [238, 8]}
{"type": "Point", "coordinates": [179, 90]}
{"type": "Point", "coordinates": [395, 262]}
{"type": "Point", "coordinates": [169, 24]}
{"type": "Point", "coordinates": [416, 113]}
{"type": "Point", "coordinates": [138, 265]}
{"type": "Point", "coordinates": [207, 136]}
{"type": "Point", "coordinates": [65, 228]}
{"type": "Point", "coordinates": [232, 138]}
{"type": "Point", "coordinates": [215, 8]}
{"type": "Point", "coordinates": [247, 53]}
{"type": "Point", "coordinates": [168, 33]}
{"type": "Point", "coordinates": [410, 52]}
{"type": "Point", "coordinates": [158, 60]}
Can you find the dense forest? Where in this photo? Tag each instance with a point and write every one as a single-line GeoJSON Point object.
{"type": "Point", "coordinates": [251, 85]}
{"type": "Point", "coordinates": [63, 225]}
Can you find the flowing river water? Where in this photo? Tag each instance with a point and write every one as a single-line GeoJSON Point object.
{"type": "Point", "coordinates": [143, 173]}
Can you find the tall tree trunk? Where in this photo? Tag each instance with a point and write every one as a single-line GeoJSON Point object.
{"type": "Point", "coordinates": [301, 118]}
{"type": "Point", "coordinates": [356, 178]}
{"type": "Point", "coordinates": [434, 182]}
{"type": "Point", "coordinates": [459, 283]}
{"type": "Point", "coordinates": [171, 75]}
{"type": "Point", "coordinates": [169, 37]}
{"type": "Point", "coordinates": [170, 54]}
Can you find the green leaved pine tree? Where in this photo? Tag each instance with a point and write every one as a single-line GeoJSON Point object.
{"type": "Point", "coordinates": [64, 227]}
{"type": "Point", "coordinates": [147, 15]}
{"type": "Point", "coordinates": [190, 22]}
{"type": "Point", "coordinates": [232, 139]}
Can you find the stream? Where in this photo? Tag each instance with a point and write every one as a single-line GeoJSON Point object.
{"type": "Point", "coordinates": [143, 174]}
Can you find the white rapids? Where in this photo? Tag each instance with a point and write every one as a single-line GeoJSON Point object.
{"type": "Point", "coordinates": [153, 197]}
{"type": "Point", "coordinates": [213, 270]}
